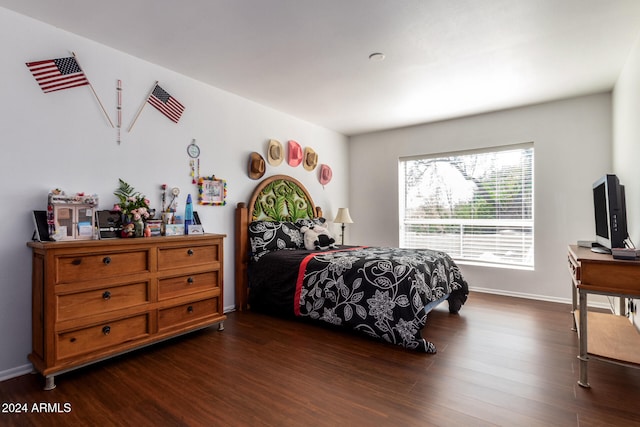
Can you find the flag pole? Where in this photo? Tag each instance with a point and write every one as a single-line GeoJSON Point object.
{"type": "Point", "coordinates": [94, 92]}
{"type": "Point", "coordinates": [133, 122]}
{"type": "Point", "coordinates": [119, 107]}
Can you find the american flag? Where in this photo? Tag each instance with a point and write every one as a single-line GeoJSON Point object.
{"type": "Point", "coordinates": [166, 103]}
{"type": "Point", "coordinates": [58, 74]}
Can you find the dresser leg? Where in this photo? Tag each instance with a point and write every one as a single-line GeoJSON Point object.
{"type": "Point", "coordinates": [49, 382]}
{"type": "Point", "coordinates": [221, 326]}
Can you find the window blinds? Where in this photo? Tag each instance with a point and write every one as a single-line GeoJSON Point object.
{"type": "Point", "coordinates": [476, 206]}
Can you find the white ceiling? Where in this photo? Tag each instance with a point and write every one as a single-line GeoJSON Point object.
{"type": "Point", "coordinates": [309, 58]}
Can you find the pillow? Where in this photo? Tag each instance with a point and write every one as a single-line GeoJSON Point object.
{"type": "Point", "coordinates": [311, 222]}
{"type": "Point", "coordinates": [268, 236]}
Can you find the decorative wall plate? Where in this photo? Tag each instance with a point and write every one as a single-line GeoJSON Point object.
{"type": "Point", "coordinates": [193, 150]}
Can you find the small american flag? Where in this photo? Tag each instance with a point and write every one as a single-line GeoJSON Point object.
{"type": "Point", "coordinates": [166, 103]}
{"type": "Point", "coordinates": [58, 74]}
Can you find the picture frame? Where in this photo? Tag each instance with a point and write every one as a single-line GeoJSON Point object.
{"type": "Point", "coordinates": [109, 224]}
{"type": "Point", "coordinates": [174, 229]}
{"type": "Point", "coordinates": [194, 229]}
{"type": "Point", "coordinates": [212, 191]}
{"type": "Point", "coordinates": [41, 232]}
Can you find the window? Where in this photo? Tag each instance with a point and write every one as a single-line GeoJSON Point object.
{"type": "Point", "coordinates": [476, 206]}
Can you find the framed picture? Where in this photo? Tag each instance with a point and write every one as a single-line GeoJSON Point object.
{"type": "Point", "coordinates": [41, 233]}
{"type": "Point", "coordinates": [212, 191]}
{"type": "Point", "coordinates": [109, 224]}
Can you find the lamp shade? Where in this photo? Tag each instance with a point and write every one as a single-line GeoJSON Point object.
{"type": "Point", "coordinates": [343, 217]}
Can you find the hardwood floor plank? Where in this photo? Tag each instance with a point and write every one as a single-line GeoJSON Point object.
{"type": "Point", "coordinates": [501, 362]}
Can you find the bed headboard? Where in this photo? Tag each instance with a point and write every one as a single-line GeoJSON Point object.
{"type": "Point", "coordinates": [277, 198]}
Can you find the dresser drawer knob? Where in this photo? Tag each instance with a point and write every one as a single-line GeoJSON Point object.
{"type": "Point", "coordinates": [106, 295]}
{"type": "Point", "coordinates": [190, 252]}
{"type": "Point", "coordinates": [190, 280]}
{"type": "Point", "coordinates": [190, 309]}
{"type": "Point", "coordinates": [106, 260]}
{"type": "Point", "coordinates": [76, 261]}
{"type": "Point", "coordinates": [106, 330]}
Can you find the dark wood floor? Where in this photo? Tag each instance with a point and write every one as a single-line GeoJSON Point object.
{"type": "Point", "coordinates": [502, 361]}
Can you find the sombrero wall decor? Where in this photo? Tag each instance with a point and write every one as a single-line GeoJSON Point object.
{"type": "Point", "coordinates": [294, 153]}
{"type": "Point", "coordinates": [325, 174]}
{"type": "Point", "coordinates": [275, 152]}
{"type": "Point", "coordinates": [256, 166]}
{"type": "Point", "coordinates": [310, 159]}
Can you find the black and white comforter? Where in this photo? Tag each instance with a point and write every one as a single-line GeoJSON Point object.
{"type": "Point", "coordinates": [381, 292]}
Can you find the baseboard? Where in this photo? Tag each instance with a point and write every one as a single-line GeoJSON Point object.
{"type": "Point", "coordinates": [15, 372]}
{"type": "Point", "coordinates": [594, 304]}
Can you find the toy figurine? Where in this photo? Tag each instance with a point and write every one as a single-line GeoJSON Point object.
{"type": "Point", "coordinates": [128, 230]}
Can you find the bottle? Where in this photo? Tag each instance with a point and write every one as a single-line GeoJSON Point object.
{"type": "Point", "coordinates": [188, 214]}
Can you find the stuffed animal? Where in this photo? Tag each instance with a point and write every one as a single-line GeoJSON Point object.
{"type": "Point", "coordinates": [128, 230]}
{"type": "Point", "coordinates": [317, 237]}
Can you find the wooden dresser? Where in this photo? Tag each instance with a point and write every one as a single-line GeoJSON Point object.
{"type": "Point", "coordinates": [95, 299]}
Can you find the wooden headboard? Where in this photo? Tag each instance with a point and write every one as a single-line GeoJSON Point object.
{"type": "Point", "coordinates": [277, 198]}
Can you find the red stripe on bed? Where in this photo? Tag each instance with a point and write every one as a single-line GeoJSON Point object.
{"type": "Point", "coordinates": [303, 268]}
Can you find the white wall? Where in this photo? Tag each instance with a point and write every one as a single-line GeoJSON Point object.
{"type": "Point", "coordinates": [63, 140]}
{"type": "Point", "coordinates": [626, 142]}
{"type": "Point", "coordinates": [626, 137]}
{"type": "Point", "coordinates": [572, 141]}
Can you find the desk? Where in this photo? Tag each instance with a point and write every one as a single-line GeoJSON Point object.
{"type": "Point", "coordinates": [605, 336]}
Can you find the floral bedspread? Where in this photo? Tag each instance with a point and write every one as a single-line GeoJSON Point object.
{"type": "Point", "coordinates": [381, 292]}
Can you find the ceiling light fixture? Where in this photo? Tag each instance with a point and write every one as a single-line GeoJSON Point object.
{"type": "Point", "coordinates": [377, 57]}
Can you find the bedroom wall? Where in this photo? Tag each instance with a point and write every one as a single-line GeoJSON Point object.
{"type": "Point", "coordinates": [626, 142]}
{"type": "Point", "coordinates": [626, 137]}
{"type": "Point", "coordinates": [63, 140]}
{"type": "Point", "coordinates": [572, 140]}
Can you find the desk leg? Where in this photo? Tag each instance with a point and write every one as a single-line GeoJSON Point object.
{"type": "Point", "coordinates": [623, 306]}
{"type": "Point", "coordinates": [574, 305]}
{"type": "Point", "coordinates": [582, 340]}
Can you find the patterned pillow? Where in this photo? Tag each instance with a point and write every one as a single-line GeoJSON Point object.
{"type": "Point", "coordinates": [310, 222]}
{"type": "Point", "coordinates": [268, 236]}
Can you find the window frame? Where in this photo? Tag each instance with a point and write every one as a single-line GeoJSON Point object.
{"type": "Point", "coordinates": [526, 225]}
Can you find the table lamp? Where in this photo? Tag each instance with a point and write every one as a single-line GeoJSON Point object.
{"type": "Point", "coordinates": [343, 217]}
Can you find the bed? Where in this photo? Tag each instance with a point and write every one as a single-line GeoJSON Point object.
{"type": "Point", "coordinates": [384, 293]}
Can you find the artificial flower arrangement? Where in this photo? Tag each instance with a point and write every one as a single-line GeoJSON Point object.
{"type": "Point", "coordinates": [134, 207]}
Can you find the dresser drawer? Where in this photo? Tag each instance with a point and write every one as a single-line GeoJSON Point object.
{"type": "Point", "coordinates": [574, 268]}
{"type": "Point", "coordinates": [187, 313]}
{"type": "Point", "coordinates": [109, 264]}
{"type": "Point", "coordinates": [102, 300]}
{"type": "Point", "coordinates": [187, 256]}
{"type": "Point", "coordinates": [181, 285]}
{"type": "Point", "coordinates": [108, 334]}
